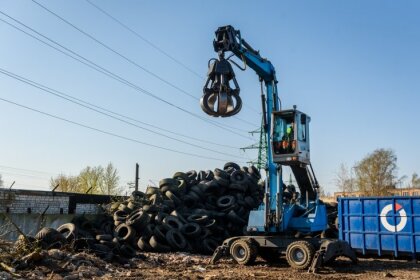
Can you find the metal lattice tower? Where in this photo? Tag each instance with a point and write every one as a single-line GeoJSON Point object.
{"type": "Point", "coordinates": [260, 162]}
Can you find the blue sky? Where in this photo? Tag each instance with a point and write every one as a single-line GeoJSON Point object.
{"type": "Point", "coordinates": [353, 66]}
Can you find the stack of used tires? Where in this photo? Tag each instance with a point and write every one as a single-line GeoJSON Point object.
{"type": "Point", "coordinates": [82, 234]}
{"type": "Point", "coordinates": [192, 211]}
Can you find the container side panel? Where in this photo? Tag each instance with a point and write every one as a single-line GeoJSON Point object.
{"type": "Point", "coordinates": [371, 241]}
{"type": "Point", "coordinates": [355, 223]}
{"type": "Point", "coordinates": [404, 243]}
{"type": "Point", "coordinates": [355, 207]}
{"type": "Point", "coordinates": [356, 240]}
{"type": "Point", "coordinates": [417, 224]}
{"type": "Point", "coordinates": [387, 242]}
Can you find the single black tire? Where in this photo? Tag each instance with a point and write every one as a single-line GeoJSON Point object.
{"type": "Point", "coordinates": [239, 177]}
{"type": "Point", "coordinates": [175, 239]}
{"type": "Point", "coordinates": [69, 231]}
{"type": "Point", "coordinates": [138, 220]}
{"type": "Point", "coordinates": [168, 182]}
{"type": "Point", "coordinates": [243, 251]}
{"type": "Point", "coordinates": [181, 175]}
{"type": "Point", "coordinates": [49, 236]}
{"type": "Point", "coordinates": [200, 219]}
{"type": "Point", "coordinates": [158, 246]}
{"type": "Point", "coordinates": [299, 254]}
{"type": "Point", "coordinates": [231, 165]}
{"type": "Point", "coordinates": [125, 233]}
{"type": "Point", "coordinates": [226, 201]}
{"type": "Point", "coordinates": [173, 222]}
{"type": "Point", "coordinates": [210, 224]}
{"type": "Point", "coordinates": [191, 230]}
{"type": "Point", "coordinates": [120, 215]}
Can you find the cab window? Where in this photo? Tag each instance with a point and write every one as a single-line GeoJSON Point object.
{"type": "Point", "coordinates": [302, 128]}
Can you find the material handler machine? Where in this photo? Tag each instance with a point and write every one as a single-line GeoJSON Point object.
{"type": "Point", "coordinates": [288, 222]}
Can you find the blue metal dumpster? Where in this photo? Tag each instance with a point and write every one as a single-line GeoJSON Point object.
{"type": "Point", "coordinates": [381, 225]}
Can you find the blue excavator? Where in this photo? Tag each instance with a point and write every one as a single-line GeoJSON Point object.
{"type": "Point", "coordinates": [289, 221]}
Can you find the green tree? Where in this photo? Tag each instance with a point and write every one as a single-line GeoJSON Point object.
{"type": "Point", "coordinates": [94, 180]}
{"type": "Point", "coordinates": [65, 183]}
{"type": "Point", "coordinates": [1, 181]}
{"type": "Point", "coordinates": [377, 172]}
{"type": "Point", "coordinates": [90, 179]}
{"type": "Point", "coordinates": [110, 181]}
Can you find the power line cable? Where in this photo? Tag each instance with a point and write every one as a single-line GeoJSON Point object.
{"type": "Point", "coordinates": [161, 51]}
{"type": "Point", "coordinates": [54, 92]}
{"type": "Point", "coordinates": [28, 170]}
{"type": "Point", "coordinates": [106, 72]}
{"type": "Point", "coordinates": [23, 175]}
{"type": "Point", "coordinates": [146, 40]}
{"type": "Point", "coordinates": [122, 55]}
{"type": "Point", "coordinates": [21, 185]}
{"type": "Point", "coordinates": [110, 133]}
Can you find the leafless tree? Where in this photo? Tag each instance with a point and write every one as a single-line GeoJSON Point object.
{"type": "Point", "coordinates": [344, 179]}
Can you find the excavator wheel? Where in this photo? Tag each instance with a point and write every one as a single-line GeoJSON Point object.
{"type": "Point", "coordinates": [299, 254]}
{"type": "Point", "coordinates": [243, 251]}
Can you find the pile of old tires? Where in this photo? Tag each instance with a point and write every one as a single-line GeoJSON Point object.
{"type": "Point", "coordinates": [192, 211]}
{"type": "Point", "coordinates": [95, 236]}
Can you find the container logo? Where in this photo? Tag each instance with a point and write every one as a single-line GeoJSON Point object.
{"type": "Point", "coordinates": [403, 220]}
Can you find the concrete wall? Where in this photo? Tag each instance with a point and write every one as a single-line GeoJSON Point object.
{"type": "Point", "coordinates": [30, 224]}
{"type": "Point", "coordinates": [26, 209]}
{"type": "Point", "coordinates": [19, 202]}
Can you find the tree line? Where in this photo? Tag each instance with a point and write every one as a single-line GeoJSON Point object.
{"type": "Point", "coordinates": [375, 175]}
{"type": "Point", "coordinates": [92, 180]}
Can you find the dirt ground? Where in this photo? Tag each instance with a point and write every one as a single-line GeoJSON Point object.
{"type": "Point", "coordinates": [185, 266]}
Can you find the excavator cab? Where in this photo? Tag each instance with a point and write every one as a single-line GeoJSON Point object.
{"type": "Point", "coordinates": [290, 134]}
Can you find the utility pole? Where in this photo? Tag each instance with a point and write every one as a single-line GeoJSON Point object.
{"type": "Point", "coordinates": [136, 186]}
{"type": "Point", "coordinates": [261, 146]}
